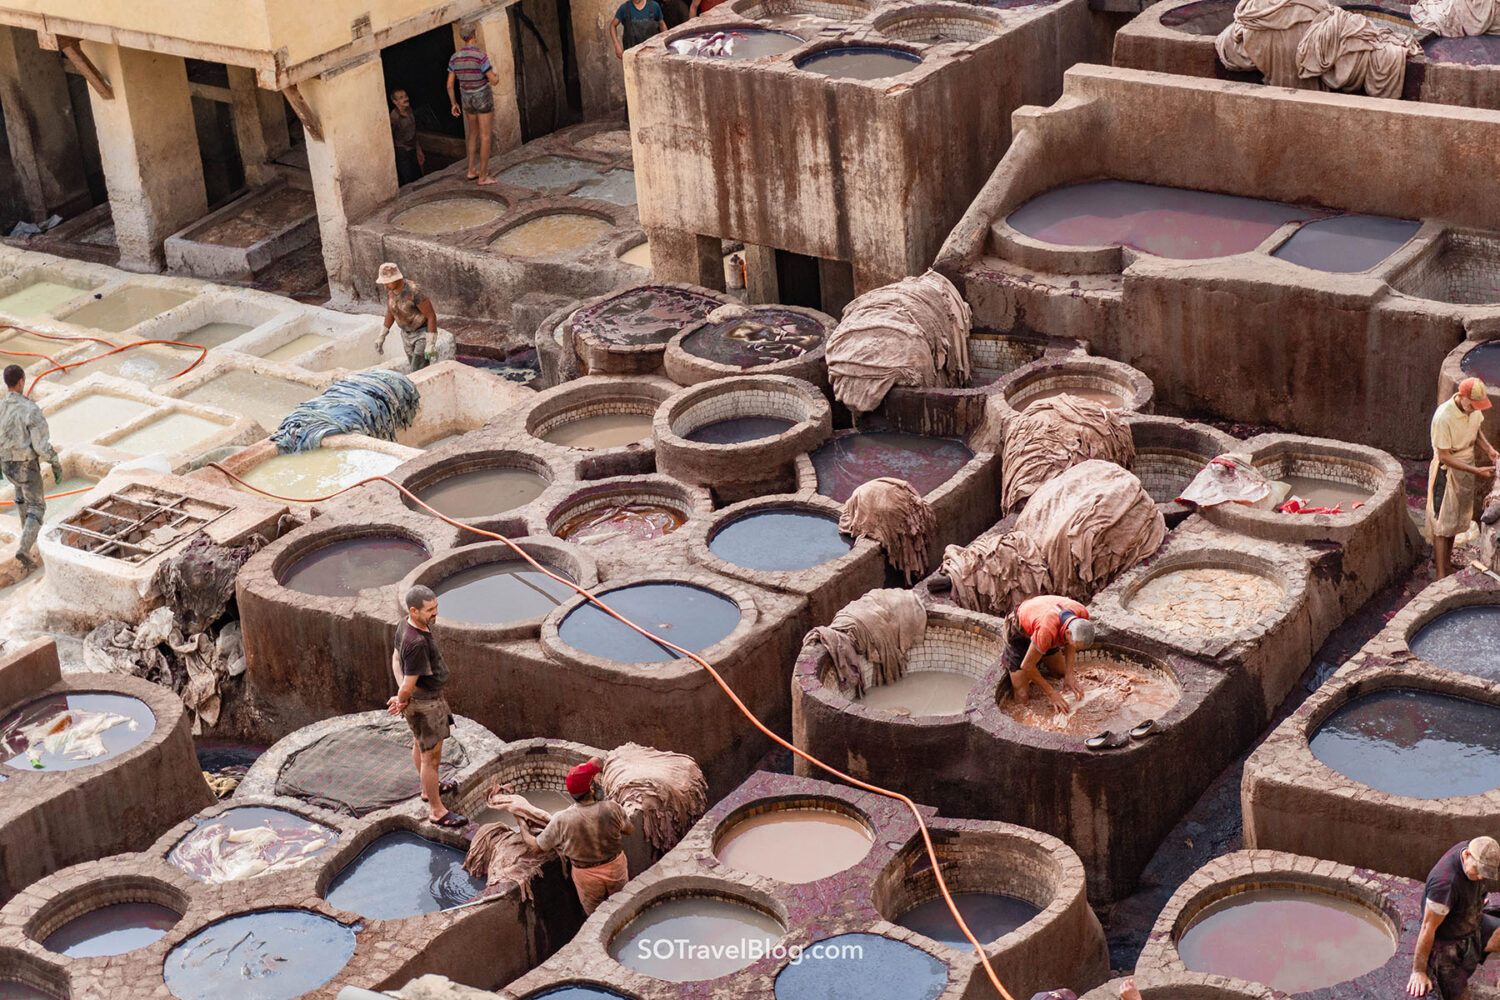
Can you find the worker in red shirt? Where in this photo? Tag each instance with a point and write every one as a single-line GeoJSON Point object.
{"type": "Point", "coordinates": [1046, 632]}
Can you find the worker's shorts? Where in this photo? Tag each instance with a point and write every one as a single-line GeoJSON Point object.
{"type": "Point", "coordinates": [478, 102]}
{"type": "Point", "coordinates": [414, 343]}
{"type": "Point", "coordinates": [430, 719]}
{"type": "Point", "coordinates": [1452, 963]}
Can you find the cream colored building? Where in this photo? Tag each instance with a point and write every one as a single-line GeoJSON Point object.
{"type": "Point", "coordinates": [320, 57]}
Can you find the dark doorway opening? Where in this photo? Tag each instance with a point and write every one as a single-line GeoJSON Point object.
{"type": "Point", "coordinates": [419, 66]}
{"type": "Point", "coordinates": [88, 138]}
{"type": "Point", "coordinates": [798, 281]}
{"type": "Point", "coordinates": [548, 95]}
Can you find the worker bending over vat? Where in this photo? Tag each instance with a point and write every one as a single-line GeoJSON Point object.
{"type": "Point", "coordinates": [590, 835]}
{"type": "Point", "coordinates": [1457, 932]}
{"type": "Point", "coordinates": [1045, 633]}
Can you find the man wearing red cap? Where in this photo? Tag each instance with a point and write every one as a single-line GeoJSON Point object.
{"type": "Point", "coordinates": [1452, 480]}
{"type": "Point", "coordinates": [589, 834]}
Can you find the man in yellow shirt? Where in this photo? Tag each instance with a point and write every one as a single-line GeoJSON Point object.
{"type": "Point", "coordinates": [1451, 482]}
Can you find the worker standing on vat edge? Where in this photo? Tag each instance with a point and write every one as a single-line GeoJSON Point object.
{"type": "Point", "coordinates": [636, 20]}
{"type": "Point", "coordinates": [471, 70]}
{"type": "Point", "coordinates": [421, 703]}
{"type": "Point", "coordinates": [589, 833]}
{"type": "Point", "coordinates": [1453, 477]}
{"type": "Point", "coordinates": [24, 445]}
{"type": "Point", "coordinates": [1045, 632]}
{"type": "Point", "coordinates": [1457, 932]}
{"type": "Point", "coordinates": [409, 307]}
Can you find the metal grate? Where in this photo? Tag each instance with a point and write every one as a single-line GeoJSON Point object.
{"type": "Point", "coordinates": [137, 523]}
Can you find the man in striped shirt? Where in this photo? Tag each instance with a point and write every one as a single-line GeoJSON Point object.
{"type": "Point", "coordinates": [470, 69]}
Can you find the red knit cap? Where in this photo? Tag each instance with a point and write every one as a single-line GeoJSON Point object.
{"type": "Point", "coordinates": [581, 778]}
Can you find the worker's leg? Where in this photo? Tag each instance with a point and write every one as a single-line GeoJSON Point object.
{"type": "Point", "coordinates": [416, 758]}
{"type": "Point", "coordinates": [486, 119]}
{"type": "Point", "coordinates": [31, 504]}
{"type": "Point", "coordinates": [1442, 548]}
{"type": "Point", "coordinates": [431, 761]}
{"type": "Point", "coordinates": [471, 141]}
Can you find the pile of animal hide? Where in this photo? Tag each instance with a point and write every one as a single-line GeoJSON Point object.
{"type": "Point", "coordinates": [1313, 44]}
{"type": "Point", "coordinates": [1052, 434]}
{"type": "Point", "coordinates": [868, 640]}
{"type": "Point", "coordinates": [914, 332]}
{"type": "Point", "coordinates": [892, 512]}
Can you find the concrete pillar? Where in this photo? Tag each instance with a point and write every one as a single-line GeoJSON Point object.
{"type": "Point", "coordinates": [39, 125]}
{"type": "Point", "coordinates": [678, 255]}
{"type": "Point", "coordinates": [494, 37]}
{"type": "Point", "coordinates": [601, 80]}
{"type": "Point", "coordinates": [148, 146]}
{"type": "Point", "coordinates": [761, 285]}
{"type": "Point", "coordinates": [249, 131]}
{"type": "Point", "coordinates": [354, 166]}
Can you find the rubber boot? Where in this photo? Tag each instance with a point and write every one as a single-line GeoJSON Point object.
{"type": "Point", "coordinates": [30, 528]}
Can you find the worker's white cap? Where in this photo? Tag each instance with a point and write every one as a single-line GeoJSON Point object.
{"type": "Point", "coordinates": [388, 273]}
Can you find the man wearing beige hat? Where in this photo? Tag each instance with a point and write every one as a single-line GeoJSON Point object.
{"type": "Point", "coordinates": [1453, 478]}
{"type": "Point", "coordinates": [1457, 932]}
{"type": "Point", "coordinates": [409, 307]}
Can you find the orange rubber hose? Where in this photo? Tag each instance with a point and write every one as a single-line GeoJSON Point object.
{"type": "Point", "coordinates": [64, 493]}
{"type": "Point", "coordinates": [718, 679]}
{"type": "Point", "coordinates": [115, 349]}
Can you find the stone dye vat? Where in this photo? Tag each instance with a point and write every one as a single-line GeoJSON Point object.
{"type": "Point", "coordinates": [741, 437]}
{"type": "Point", "coordinates": [172, 433]}
{"type": "Point", "coordinates": [1120, 691]}
{"type": "Point", "coordinates": [448, 215]}
{"type": "Point", "coordinates": [692, 617]}
{"type": "Point", "coordinates": [10, 989]}
{"type": "Point", "coordinates": [212, 334]}
{"type": "Point", "coordinates": [794, 844]}
{"type": "Point", "coordinates": [248, 842]}
{"type": "Point", "coordinates": [1167, 222]}
{"type": "Point", "coordinates": [885, 877]}
{"type": "Point", "coordinates": [769, 339]}
{"type": "Point", "coordinates": [1417, 744]}
{"type": "Point", "coordinates": [146, 366]}
{"type": "Point", "coordinates": [1169, 453]}
{"type": "Point", "coordinates": [124, 308]}
{"type": "Point", "coordinates": [865, 965]}
{"type": "Point", "coordinates": [482, 492]}
{"type": "Point", "coordinates": [549, 173]}
{"type": "Point", "coordinates": [625, 520]}
{"type": "Point", "coordinates": [638, 255]}
{"type": "Point", "coordinates": [1459, 269]}
{"type": "Point", "coordinates": [780, 540]}
{"type": "Point", "coordinates": [552, 235]}
{"type": "Point", "coordinates": [1483, 361]}
{"type": "Point", "coordinates": [860, 62]}
{"type": "Point", "coordinates": [264, 955]}
{"type": "Point", "coordinates": [626, 333]}
{"type": "Point", "coordinates": [501, 592]}
{"type": "Point", "coordinates": [112, 930]}
{"type": "Point", "coordinates": [703, 922]}
{"type": "Point", "coordinates": [263, 398]}
{"type": "Point", "coordinates": [305, 476]}
{"type": "Point", "coordinates": [990, 916]}
{"type": "Point", "coordinates": [740, 43]}
{"type": "Point", "coordinates": [90, 415]}
{"type": "Point", "coordinates": [853, 458]}
{"type": "Point", "coordinates": [1205, 601]}
{"type": "Point", "coordinates": [605, 430]}
{"type": "Point", "coordinates": [1346, 243]}
{"type": "Point", "coordinates": [402, 875]}
{"type": "Point", "coordinates": [1293, 940]}
{"type": "Point", "coordinates": [1463, 639]}
{"type": "Point", "coordinates": [297, 347]}
{"type": "Point", "coordinates": [1296, 924]}
{"type": "Point", "coordinates": [62, 732]}
{"type": "Point", "coordinates": [614, 186]}
{"type": "Point", "coordinates": [922, 692]}
{"type": "Point", "coordinates": [344, 568]}
{"type": "Point", "coordinates": [1109, 383]}
{"type": "Point", "coordinates": [38, 297]}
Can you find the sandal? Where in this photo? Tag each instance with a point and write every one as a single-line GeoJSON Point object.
{"type": "Point", "coordinates": [450, 819]}
{"type": "Point", "coordinates": [445, 788]}
{"type": "Point", "coordinates": [1144, 729]}
{"type": "Point", "coordinates": [1107, 740]}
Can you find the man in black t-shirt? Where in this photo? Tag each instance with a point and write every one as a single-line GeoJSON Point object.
{"type": "Point", "coordinates": [1457, 932]}
{"type": "Point", "coordinates": [420, 701]}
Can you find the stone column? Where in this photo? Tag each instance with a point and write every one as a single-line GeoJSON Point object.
{"type": "Point", "coordinates": [149, 150]}
{"type": "Point", "coordinates": [494, 37]}
{"type": "Point", "coordinates": [678, 255]}
{"type": "Point", "coordinates": [354, 166]}
{"type": "Point", "coordinates": [601, 79]}
{"type": "Point", "coordinates": [40, 127]}
{"type": "Point", "coordinates": [249, 127]}
{"type": "Point", "coordinates": [761, 285]}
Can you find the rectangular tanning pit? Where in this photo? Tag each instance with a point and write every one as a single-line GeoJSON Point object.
{"type": "Point", "coordinates": [247, 235]}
